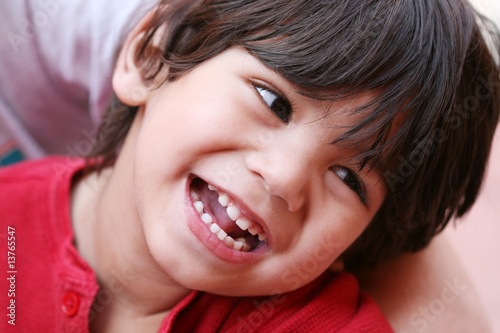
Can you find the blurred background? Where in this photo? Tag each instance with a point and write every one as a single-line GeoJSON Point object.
{"type": "Point", "coordinates": [476, 237]}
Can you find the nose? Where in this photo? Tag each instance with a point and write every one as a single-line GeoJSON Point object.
{"type": "Point", "coordinates": [283, 171]}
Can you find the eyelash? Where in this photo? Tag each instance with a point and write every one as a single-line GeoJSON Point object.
{"type": "Point", "coordinates": [352, 180]}
{"type": "Point", "coordinates": [284, 107]}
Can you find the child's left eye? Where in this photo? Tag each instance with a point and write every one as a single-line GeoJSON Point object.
{"type": "Point", "coordinates": [278, 104]}
{"type": "Point", "coordinates": [352, 180]}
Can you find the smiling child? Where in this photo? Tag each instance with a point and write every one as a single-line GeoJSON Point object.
{"type": "Point", "coordinates": [254, 149]}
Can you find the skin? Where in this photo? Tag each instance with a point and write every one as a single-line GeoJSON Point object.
{"type": "Point", "coordinates": [130, 221]}
{"type": "Point", "coordinates": [290, 185]}
{"type": "Point", "coordinates": [292, 182]}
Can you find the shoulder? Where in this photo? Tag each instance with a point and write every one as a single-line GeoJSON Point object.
{"type": "Point", "coordinates": [36, 188]}
{"type": "Point", "coordinates": [34, 205]}
{"type": "Point", "coordinates": [334, 303]}
{"type": "Point", "coordinates": [41, 170]}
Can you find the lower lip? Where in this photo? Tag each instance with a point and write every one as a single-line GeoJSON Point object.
{"type": "Point", "coordinates": [212, 242]}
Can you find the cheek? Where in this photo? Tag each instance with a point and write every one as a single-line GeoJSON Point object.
{"type": "Point", "coordinates": [186, 127]}
{"type": "Point", "coordinates": [308, 265]}
{"type": "Point", "coordinates": [341, 193]}
{"type": "Point", "coordinates": [325, 240]}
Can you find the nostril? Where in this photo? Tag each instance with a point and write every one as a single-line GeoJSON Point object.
{"type": "Point", "coordinates": [279, 178]}
{"type": "Point", "coordinates": [295, 204]}
{"type": "Point", "coordinates": [291, 196]}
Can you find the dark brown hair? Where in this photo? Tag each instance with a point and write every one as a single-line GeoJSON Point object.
{"type": "Point", "coordinates": [427, 59]}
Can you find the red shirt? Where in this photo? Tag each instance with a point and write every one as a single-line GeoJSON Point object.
{"type": "Point", "coordinates": [48, 287]}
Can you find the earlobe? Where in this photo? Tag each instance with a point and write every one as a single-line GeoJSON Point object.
{"type": "Point", "coordinates": [128, 83]}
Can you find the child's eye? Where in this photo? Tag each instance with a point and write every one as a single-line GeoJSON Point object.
{"type": "Point", "coordinates": [351, 179]}
{"type": "Point", "coordinates": [278, 104]}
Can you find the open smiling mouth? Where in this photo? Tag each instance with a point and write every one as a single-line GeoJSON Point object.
{"type": "Point", "coordinates": [224, 219]}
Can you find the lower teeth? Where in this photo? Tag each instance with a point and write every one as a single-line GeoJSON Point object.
{"type": "Point", "coordinates": [239, 244]}
{"type": "Point", "coordinates": [244, 246]}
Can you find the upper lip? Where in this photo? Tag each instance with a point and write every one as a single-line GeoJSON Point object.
{"type": "Point", "coordinates": [245, 210]}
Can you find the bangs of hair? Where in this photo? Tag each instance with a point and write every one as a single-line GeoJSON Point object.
{"type": "Point", "coordinates": [410, 52]}
{"type": "Point", "coordinates": [428, 63]}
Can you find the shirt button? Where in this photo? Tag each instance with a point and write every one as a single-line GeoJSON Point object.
{"type": "Point", "coordinates": [70, 303]}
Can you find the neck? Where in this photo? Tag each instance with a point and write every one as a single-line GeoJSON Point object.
{"type": "Point", "coordinates": [109, 236]}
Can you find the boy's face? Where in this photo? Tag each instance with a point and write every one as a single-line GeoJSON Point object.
{"type": "Point", "coordinates": [265, 151]}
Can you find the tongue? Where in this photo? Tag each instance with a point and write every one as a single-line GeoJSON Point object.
{"type": "Point", "coordinates": [211, 204]}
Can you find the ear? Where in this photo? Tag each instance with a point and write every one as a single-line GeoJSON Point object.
{"type": "Point", "coordinates": [127, 79]}
{"type": "Point", "coordinates": [337, 266]}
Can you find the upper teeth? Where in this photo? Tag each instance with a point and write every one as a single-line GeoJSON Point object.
{"type": "Point", "coordinates": [234, 214]}
{"type": "Point", "coordinates": [243, 223]}
{"type": "Point", "coordinates": [223, 200]}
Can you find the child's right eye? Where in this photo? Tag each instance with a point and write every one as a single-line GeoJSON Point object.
{"type": "Point", "coordinates": [278, 104]}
